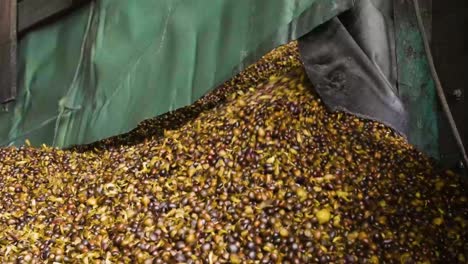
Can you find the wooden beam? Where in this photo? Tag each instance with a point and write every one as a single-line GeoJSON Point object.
{"type": "Point", "coordinates": [7, 50]}
{"type": "Point", "coordinates": [32, 13]}
{"type": "Point", "coordinates": [16, 19]}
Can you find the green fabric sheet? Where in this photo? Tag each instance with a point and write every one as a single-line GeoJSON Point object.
{"type": "Point", "coordinates": [104, 68]}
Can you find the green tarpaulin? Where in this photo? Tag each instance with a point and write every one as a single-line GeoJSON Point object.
{"type": "Point", "coordinates": [101, 70]}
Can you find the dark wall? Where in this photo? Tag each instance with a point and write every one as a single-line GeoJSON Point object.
{"type": "Point", "coordinates": [450, 50]}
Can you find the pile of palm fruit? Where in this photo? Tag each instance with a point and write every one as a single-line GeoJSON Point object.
{"type": "Point", "coordinates": [256, 171]}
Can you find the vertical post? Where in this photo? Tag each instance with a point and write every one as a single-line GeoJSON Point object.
{"type": "Point", "coordinates": [7, 50]}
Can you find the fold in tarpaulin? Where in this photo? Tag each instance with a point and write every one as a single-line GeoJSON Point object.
{"type": "Point", "coordinates": [370, 61]}
{"type": "Point", "coordinates": [106, 67]}
{"type": "Point", "coordinates": [352, 62]}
